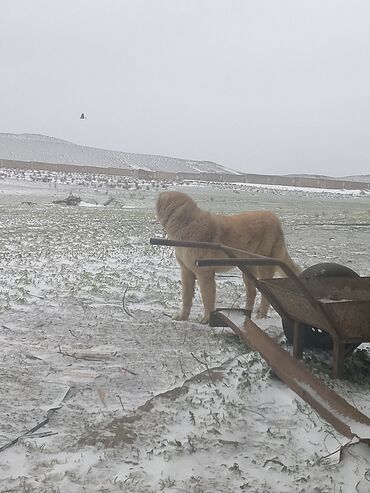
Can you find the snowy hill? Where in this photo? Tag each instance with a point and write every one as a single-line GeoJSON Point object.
{"type": "Point", "coordinates": [30, 147]}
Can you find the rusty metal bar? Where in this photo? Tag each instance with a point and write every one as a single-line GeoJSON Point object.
{"type": "Point", "coordinates": [345, 418]}
{"type": "Point", "coordinates": [204, 244]}
{"type": "Point", "coordinates": [181, 243]}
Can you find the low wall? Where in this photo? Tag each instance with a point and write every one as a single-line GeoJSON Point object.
{"type": "Point", "coordinates": [143, 174]}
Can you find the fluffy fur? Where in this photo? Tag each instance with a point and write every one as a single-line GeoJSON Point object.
{"type": "Point", "coordinates": [257, 232]}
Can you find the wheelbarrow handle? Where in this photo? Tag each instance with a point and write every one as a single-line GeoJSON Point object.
{"type": "Point", "coordinates": [229, 251]}
{"type": "Point", "coordinates": [233, 258]}
{"type": "Point", "coordinates": [183, 243]}
{"type": "Point", "coordinates": [243, 263]}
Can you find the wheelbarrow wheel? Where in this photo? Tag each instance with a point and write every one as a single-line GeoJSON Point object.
{"type": "Point", "coordinates": [312, 336]}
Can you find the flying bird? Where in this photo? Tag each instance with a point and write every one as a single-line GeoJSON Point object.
{"type": "Point", "coordinates": [83, 117]}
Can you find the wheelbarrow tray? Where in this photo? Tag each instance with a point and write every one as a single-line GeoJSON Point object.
{"type": "Point", "coordinates": [346, 302]}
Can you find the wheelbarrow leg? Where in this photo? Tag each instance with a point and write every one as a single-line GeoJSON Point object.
{"type": "Point", "coordinates": [338, 358]}
{"type": "Point", "coordinates": [297, 341]}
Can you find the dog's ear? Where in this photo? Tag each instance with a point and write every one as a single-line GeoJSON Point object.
{"type": "Point", "coordinates": [161, 205]}
{"type": "Point", "coordinates": [161, 200]}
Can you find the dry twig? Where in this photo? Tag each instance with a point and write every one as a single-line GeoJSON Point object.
{"type": "Point", "coordinates": [128, 371]}
{"type": "Point", "coordinates": [204, 363]}
{"type": "Point", "coordinates": [123, 304]}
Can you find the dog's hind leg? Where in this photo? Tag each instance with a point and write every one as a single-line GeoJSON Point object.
{"type": "Point", "coordinates": [188, 287]}
{"type": "Point", "coordinates": [207, 285]}
{"type": "Point", "coordinates": [280, 251]}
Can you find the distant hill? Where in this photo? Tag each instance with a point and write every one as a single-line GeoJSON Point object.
{"type": "Point", "coordinates": [31, 147]}
{"type": "Point", "coordinates": [44, 149]}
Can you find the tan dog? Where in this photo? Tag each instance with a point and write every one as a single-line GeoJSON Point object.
{"type": "Point", "coordinates": [257, 232]}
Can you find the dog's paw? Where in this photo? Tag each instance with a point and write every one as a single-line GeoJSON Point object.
{"type": "Point", "coordinates": [205, 319]}
{"type": "Point", "coordinates": [180, 316]}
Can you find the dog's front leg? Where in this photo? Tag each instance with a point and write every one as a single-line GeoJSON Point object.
{"type": "Point", "coordinates": [264, 273]}
{"type": "Point", "coordinates": [250, 291]}
{"type": "Point", "coordinates": [207, 287]}
{"type": "Point", "coordinates": [188, 287]}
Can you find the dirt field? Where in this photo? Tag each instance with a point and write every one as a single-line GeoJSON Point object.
{"type": "Point", "coordinates": [135, 401]}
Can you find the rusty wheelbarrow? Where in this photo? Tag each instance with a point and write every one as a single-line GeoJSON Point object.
{"type": "Point", "coordinates": [327, 305]}
{"type": "Point", "coordinates": [331, 303]}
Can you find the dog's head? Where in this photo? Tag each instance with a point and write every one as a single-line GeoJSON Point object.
{"type": "Point", "coordinates": [171, 204]}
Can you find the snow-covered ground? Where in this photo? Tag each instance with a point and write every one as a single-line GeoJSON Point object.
{"type": "Point", "coordinates": [135, 401]}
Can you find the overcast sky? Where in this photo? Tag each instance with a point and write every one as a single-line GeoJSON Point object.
{"type": "Point", "coordinates": [264, 86]}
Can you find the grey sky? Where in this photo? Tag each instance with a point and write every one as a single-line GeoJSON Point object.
{"type": "Point", "coordinates": [269, 86]}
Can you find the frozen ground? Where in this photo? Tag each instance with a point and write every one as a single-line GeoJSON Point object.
{"type": "Point", "coordinates": [138, 402]}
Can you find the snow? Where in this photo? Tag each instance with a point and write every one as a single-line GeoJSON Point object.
{"type": "Point", "coordinates": [89, 204]}
{"type": "Point", "coordinates": [143, 403]}
{"type": "Point", "coordinates": [283, 189]}
{"type": "Point", "coordinates": [361, 430]}
{"type": "Point", "coordinates": [329, 300]}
